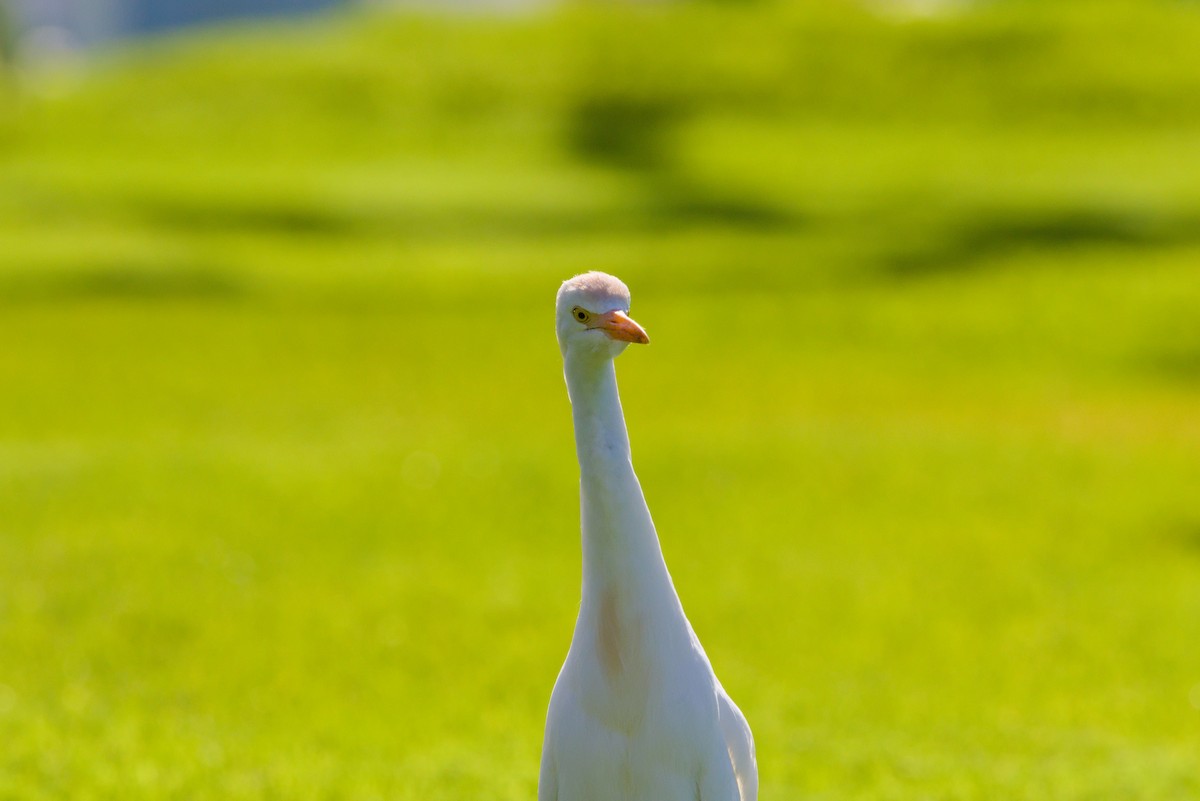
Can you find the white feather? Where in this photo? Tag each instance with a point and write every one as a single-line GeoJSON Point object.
{"type": "Point", "coordinates": [637, 713]}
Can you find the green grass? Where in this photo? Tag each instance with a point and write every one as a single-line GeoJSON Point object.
{"type": "Point", "coordinates": [288, 502]}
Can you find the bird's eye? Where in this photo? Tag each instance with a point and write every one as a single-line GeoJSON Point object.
{"type": "Point", "coordinates": [580, 315]}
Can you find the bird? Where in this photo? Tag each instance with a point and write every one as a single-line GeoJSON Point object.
{"type": "Point", "coordinates": [636, 713]}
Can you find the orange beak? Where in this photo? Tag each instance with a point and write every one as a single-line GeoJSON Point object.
{"type": "Point", "coordinates": [619, 326]}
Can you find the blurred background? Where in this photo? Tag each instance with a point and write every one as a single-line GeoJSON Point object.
{"type": "Point", "coordinates": [288, 499]}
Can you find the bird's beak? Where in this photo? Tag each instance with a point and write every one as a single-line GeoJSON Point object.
{"type": "Point", "coordinates": [619, 326]}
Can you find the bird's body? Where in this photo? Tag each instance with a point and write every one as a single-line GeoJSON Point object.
{"type": "Point", "coordinates": [637, 713]}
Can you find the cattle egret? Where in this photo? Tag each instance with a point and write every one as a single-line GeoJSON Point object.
{"type": "Point", "coordinates": [637, 713]}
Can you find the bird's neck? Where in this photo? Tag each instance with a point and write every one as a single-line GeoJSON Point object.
{"type": "Point", "coordinates": [621, 553]}
{"type": "Point", "coordinates": [601, 440]}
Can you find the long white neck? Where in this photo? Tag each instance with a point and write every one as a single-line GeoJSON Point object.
{"type": "Point", "coordinates": [621, 553]}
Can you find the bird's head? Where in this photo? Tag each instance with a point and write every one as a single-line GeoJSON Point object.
{"type": "Point", "coordinates": [592, 316]}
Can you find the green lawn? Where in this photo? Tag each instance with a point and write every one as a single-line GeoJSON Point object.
{"type": "Point", "coordinates": [288, 501]}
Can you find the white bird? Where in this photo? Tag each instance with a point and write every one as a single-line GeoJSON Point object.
{"type": "Point", "coordinates": [637, 713]}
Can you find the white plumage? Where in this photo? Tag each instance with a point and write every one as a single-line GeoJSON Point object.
{"type": "Point", "coordinates": [637, 713]}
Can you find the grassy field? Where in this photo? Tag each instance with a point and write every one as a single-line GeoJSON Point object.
{"type": "Point", "coordinates": [288, 501]}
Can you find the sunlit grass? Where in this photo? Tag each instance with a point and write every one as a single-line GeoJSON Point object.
{"type": "Point", "coordinates": [288, 502]}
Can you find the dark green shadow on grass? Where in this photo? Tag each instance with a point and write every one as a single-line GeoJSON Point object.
{"type": "Point", "coordinates": [1178, 363]}
{"type": "Point", "coordinates": [978, 237]}
{"type": "Point", "coordinates": [119, 282]}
